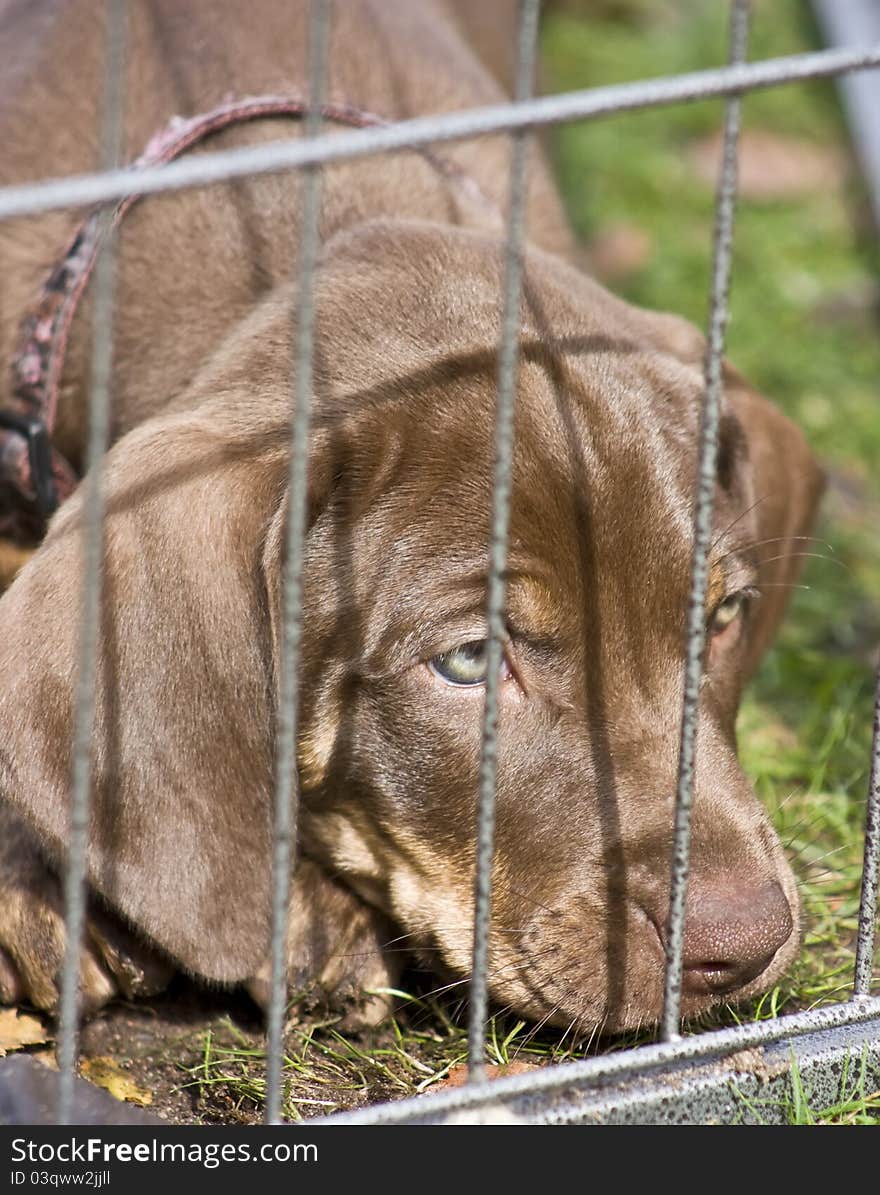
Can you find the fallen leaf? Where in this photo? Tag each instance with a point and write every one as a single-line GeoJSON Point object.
{"type": "Point", "coordinates": [457, 1076]}
{"type": "Point", "coordinates": [18, 1030]}
{"type": "Point", "coordinates": [107, 1073]}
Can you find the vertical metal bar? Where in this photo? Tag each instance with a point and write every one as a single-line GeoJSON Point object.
{"type": "Point", "coordinates": [93, 549]}
{"type": "Point", "coordinates": [868, 903]}
{"type": "Point", "coordinates": [504, 424]}
{"type": "Point", "coordinates": [703, 510]}
{"type": "Point", "coordinates": [286, 781]}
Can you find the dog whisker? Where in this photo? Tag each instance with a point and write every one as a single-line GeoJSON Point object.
{"type": "Point", "coordinates": [762, 585]}
{"type": "Point", "coordinates": [738, 519]}
{"type": "Point", "coordinates": [800, 832]}
{"type": "Point", "coordinates": [774, 539]}
{"type": "Point", "coordinates": [807, 556]}
{"type": "Point", "coordinates": [494, 973]}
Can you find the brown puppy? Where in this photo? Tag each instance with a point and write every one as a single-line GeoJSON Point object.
{"type": "Point", "coordinates": [408, 316]}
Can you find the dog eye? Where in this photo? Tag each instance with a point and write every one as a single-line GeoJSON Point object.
{"type": "Point", "coordinates": [464, 665]}
{"type": "Point", "coordinates": [727, 612]}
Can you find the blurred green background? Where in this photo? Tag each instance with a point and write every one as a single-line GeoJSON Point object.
{"type": "Point", "coordinates": [804, 328]}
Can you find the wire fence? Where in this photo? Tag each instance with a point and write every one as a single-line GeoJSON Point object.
{"type": "Point", "coordinates": [518, 118]}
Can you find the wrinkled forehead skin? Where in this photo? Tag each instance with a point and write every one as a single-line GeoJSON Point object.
{"type": "Point", "coordinates": [607, 412]}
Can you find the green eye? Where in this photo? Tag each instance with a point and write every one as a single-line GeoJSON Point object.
{"type": "Point", "coordinates": [727, 612]}
{"type": "Point", "coordinates": [465, 665]}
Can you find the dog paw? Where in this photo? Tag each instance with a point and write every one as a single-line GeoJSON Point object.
{"type": "Point", "coordinates": [112, 961]}
{"type": "Point", "coordinates": [32, 948]}
{"type": "Point", "coordinates": [337, 957]}
{"type": "Point", "coordinates": [13, 558]}
{"type": "Point", "coordinates": [11, 989]}
{"type": "Point", "coordinates": [137, 969]}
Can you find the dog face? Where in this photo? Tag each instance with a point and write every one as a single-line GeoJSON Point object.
{"type": "Point", "coordinates": [393, 673]}
{"type": "Point", "coordinates": [598, 578]}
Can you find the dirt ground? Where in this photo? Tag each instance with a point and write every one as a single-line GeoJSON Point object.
{"type": "Point", "coordinates": [195, 1056]}
{"type": "Point", "coordinates": [199, 1056]}
{"type": "Point", "coordinates": [158, 1041]}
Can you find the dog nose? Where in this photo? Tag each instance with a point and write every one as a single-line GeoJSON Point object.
{"type": "Point", "coordinates": [732, 931]}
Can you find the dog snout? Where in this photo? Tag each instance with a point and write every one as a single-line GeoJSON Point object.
{"type": "Point", "coordinates": [733, 930]}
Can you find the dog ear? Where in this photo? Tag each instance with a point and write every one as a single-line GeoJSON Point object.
{"type": "Point", "coordinates": [786, 484]}
{"type": "Point", "coordinates": [186, 682]}
{"type": "Point", "coordinates": [777, 478]}
{"type": "Point", "coordinates": [183, 739]}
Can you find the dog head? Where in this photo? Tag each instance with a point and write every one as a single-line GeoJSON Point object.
{"type": "Point", "coordinates": [393, 669]}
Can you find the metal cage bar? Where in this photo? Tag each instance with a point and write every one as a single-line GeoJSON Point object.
{"type": "Point", "coordinates": [641, 1061]}
{"type": "Point", "coordinates": [93, 549]}
{"type": "Point", "coordinates": [86, 189]}
{"type": "Point", "coordinates": [501, 495]}
{"type": "Point", "coordinates": [703, 510]}
{"type": "Point", "coordinates": [286, 780]}
{"type": "Point", "coordinates": [870, 868]}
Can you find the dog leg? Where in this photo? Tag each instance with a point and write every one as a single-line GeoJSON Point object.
{"type": "Point", "coordinates": [13, 558]}
{"type": "Point", "coordinates": [32, 935]}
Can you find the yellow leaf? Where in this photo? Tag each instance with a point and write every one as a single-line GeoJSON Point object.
{"type": "Point", "coordinates": [17, 1031]}
{"type": "Point", "coordinates": [47, 1057]}
{"type": "Point", "coordinates": [107, 1073]}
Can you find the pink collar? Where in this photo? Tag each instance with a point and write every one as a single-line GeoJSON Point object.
{"type": "Point", "coordinates": [34, 477]}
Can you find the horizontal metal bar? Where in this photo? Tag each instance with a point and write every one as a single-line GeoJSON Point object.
{"type": "Point", "coordinates": [705, 1047]}
{"type": "Point", "coordinates": [87, 189]}
{"type": "Point", "coordinates": [783, 1083]}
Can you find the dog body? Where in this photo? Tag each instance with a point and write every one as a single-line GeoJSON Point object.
{"type": "Point", "coordinates": [407, 300]}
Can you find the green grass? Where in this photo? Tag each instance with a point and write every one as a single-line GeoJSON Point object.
{"type": "Point", "coordinates": [326, 1070]}
{"type": "Point", "coordinates": [857, 1103]}
{"type": "Point", "coordinates": [804, 329]}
